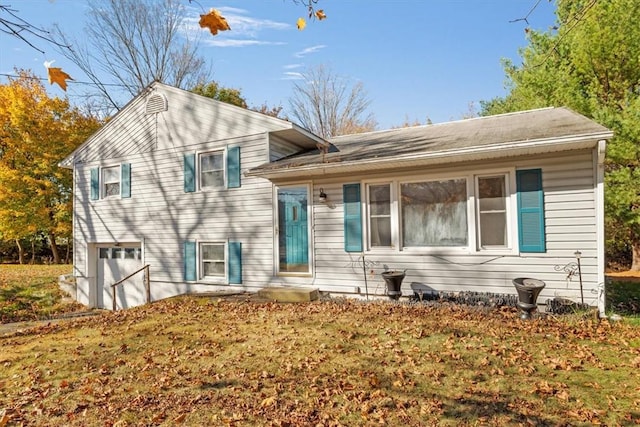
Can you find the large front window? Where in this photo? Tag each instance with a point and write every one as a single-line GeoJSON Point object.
{"type": "Point", "coordinates": [434, 213]}
{"type": "Point", "coordinates": [466, 212]}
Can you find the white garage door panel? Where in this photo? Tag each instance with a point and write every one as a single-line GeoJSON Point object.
{"type": "Point", "coordinates": [114, 264]}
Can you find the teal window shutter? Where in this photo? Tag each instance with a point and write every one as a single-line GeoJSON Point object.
{"type": "Point", "coordinates": [233, 167]}
{"type": "Point", "coordinates": [190, 261]}
{"type": "Point", "coordinates": [95, 183]}
{"type": "Point", "coordinates": [530, 210]}
{"type": "Point", "coordinates": [189, 173]}
{"type": "Point", "coordinates": [125, 176]}
{"type": "Point", "coordinates": [235, 262]}
{"type": "Point", "coordinates": [352, 218]}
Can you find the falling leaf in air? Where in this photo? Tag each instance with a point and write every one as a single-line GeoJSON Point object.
{"type": "Point", "coordinates": [320, 15]}
{"type": "Point", "coordinates": [214, 22]}
{"type": "Point", "coordinates": [56, 75]}
{"type": "Point", "coordinates": [301, 23]}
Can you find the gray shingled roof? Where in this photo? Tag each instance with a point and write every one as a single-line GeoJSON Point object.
{"type": "Point", "coordinates": [482, 134]}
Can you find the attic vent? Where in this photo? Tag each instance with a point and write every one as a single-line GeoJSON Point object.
{"type": "Point", "coordinates": [156, 103]}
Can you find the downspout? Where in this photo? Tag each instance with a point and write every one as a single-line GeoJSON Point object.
{"type": "Point", "coordinates": [601, 150]}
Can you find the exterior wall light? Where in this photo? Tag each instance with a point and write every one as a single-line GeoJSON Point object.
{"type": "Point", "coordinates": [323, 196]}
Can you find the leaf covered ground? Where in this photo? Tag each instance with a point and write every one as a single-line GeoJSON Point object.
{"type": "Point", "coordinates": [29, 292]}
{"type": "Point", "coordinates": [203, 361]}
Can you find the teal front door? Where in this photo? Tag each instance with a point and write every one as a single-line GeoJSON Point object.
{"type": "Point", "coordinates": [293, 230]}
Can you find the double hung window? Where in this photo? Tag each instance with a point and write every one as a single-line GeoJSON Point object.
{"type": "Point", "coordinates": [492, 200]}
{"type": "Point", "coordinates": [111, 181]}
{"type": "Point", "coordinates": [212, 261]}
{"type": "Point", "coordinates": [212, 169]}
{"type": "Point", "coordinates": [380, 215]}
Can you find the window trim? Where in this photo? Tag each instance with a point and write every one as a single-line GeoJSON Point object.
{"type": "Point", "coordinates": [199, 256]}
{"type": "Point", "coordinates": [392, 214]}
{"type": "Point", "coordinates": [509, 210]}
{"type": "Point", "coordinates": [198, 171]}
{"type": "Point", "coordinates": [472, 246]}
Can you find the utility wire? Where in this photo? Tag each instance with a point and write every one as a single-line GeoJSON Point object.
{"type": "Point", "coordinates": [71, 81]}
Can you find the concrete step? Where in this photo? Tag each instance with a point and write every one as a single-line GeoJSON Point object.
{"type": "Point", "coordinates": [281, 294]}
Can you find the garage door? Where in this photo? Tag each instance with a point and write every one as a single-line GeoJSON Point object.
{"type": "Point", "coordinates": [114, 264]}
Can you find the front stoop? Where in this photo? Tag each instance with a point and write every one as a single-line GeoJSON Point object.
{"type": "Point", "coordinates": [281, 294]}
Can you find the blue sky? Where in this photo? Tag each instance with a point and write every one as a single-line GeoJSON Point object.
{"type": "Point", "coordinates": [415, 58]}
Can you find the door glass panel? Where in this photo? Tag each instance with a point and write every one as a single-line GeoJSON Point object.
{"type": "Point", "coordinates": [293, 230]}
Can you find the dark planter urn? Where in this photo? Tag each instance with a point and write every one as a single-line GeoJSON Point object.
{"type": "Point", "coordinates": [393, 280]}
{"type": "Point", "coordinates": [528, 291]}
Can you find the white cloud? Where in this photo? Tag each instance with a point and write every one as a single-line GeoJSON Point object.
{"type": "Point", "coordinates": [292, 75]}
{"type": "Point", "coordinates": [223, 42]}
{"type": "Point", "coordinates": [292, 66]}
{"type": "Point", "coordinates": [309, 50]}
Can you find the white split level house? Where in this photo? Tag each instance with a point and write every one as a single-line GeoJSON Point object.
{"type": "Point", "coordinates": [214, 197]}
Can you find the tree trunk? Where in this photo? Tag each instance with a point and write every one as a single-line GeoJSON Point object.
{"type": "Point", "coordinates": [66, 258]}
{"type": "Point", "coordinates": [20, 252]}
{"type": "Point", "coordinates": [54, 248]}
{"type": "Point", "coordinates": [635, 250]}
{"type": "Point", "coordinates": [33, 252]}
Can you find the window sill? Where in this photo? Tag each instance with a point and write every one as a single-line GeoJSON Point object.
{"type": "Point", "coordinates": [444, 251]}
{"type": "Point", "coordinates": [212, 282]}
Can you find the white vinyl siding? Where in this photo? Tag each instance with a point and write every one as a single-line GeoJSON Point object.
{"type": "Point", "coordinates": [165, 216]}
{"type": "Point", "coordinates": [570, 225]}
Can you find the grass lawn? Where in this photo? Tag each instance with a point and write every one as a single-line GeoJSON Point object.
{"type": "Point", "coordinates": [29, 292]}
{"type": "Point", "coordinates": [196, 361]}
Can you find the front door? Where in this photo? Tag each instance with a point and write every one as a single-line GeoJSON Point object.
{"type": "Point", "coordinates": [293, 230]}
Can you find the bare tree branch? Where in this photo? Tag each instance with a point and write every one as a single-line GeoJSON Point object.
{"type": "Point", "coordinates": [23, 30]}
{"type": "Point", "coordinates": [133, 43]}
{"type": "Point", "coordinates": [329, 105]}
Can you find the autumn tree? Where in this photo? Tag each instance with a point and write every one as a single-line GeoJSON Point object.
{"type": "Point", "coordinates": [215, 91]}
{"type": "Point", "coordinates": [36, 133]}
{"type": "Point", "coordinates": [131, 43]}
{"type": "Point", "coordinates": [591, 64]}
{"type": "Point", "coordinates": [330, 105]}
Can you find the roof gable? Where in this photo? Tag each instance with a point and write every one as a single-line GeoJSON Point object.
{"type": "Point", "coordinates": [161, 116]}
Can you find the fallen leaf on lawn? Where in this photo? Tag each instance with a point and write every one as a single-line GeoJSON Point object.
{"type": "Point", "coordinates": [269, 401]}
{"type": "Point", "coordinates": [4, 420]}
